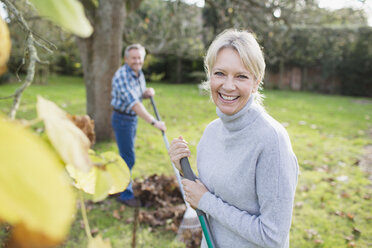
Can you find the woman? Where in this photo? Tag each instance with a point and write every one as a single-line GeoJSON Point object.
{"type": "Point", "coordinates": [247, 169]}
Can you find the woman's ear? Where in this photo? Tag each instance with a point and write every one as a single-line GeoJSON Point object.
{"type": "Point", "coordinates": [256, 85]}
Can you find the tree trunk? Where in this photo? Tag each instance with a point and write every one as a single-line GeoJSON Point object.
{"type": "Point", "coordinates": [179, 70]}
{"type": "Point", "coordinates": [281, 71]}
{"type": "Point", "coordinates": [101, 56]}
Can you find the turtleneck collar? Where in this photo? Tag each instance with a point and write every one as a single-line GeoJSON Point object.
{"type": "Point", "coordinates": [242, 118]}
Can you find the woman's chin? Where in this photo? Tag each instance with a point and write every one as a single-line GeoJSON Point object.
{"type": "Point", "coordinates": [227, 110]}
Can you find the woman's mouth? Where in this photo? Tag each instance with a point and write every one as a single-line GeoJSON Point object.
{"type": "Point", "coordinates": [227, 98]}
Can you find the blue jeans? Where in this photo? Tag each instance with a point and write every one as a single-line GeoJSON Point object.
{"type": "Point", "coordinates": [125, 127]}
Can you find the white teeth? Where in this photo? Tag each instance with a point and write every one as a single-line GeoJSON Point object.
{"type": "Point", "coordinates": [228, 98]}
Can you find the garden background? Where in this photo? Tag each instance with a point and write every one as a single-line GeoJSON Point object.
{"type": "Point", "coordinates": [317, 84]}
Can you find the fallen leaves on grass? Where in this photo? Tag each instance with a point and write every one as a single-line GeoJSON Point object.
{"type": "Point", "coordinates": [158, 191]}
{"type": "Point", "coordinates": [162, 195]}
{"type": "Point", "coordinates": [85, 124]}
{"type": "Point", "coordinates": [350, 216]}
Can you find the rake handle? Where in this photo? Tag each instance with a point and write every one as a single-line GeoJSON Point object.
{"type": "Point", "coordinates": [167, 146]}
{"type": "Point", "coordinates": [157, 114]}
{"type": "Point", "coordinates": [189, 174]}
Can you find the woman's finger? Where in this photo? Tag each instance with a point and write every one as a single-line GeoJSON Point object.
{"type": "Point", "coordinates": [175, 155]}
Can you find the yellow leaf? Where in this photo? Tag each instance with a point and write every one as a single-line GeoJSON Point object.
{"type": "Point", "coordinates": [83, 181]}
{"type": "Point", "coordinates": [5, 45]}
{"type": "Point", "coordinates": [69, 141]}
{"type": "Point", "coordinates": [21, 237]}
{"type": "Point", "coordinates": [34, 190]}
{"type": "Point", "coordinates": [110, 175]}
{"type": "Point", "coordinates": [103, 184]}
{"type": "Point", "coordinates": [118, 170]}
{"type": "Point", "coordinates": [69, 14]}
{"type": "Point", "coordinates": [98, 242]}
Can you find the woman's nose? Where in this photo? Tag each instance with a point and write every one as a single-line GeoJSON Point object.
{"type": "Point", "coordinates": [229, 84]}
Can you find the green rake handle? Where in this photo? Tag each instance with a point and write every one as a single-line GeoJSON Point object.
{"type": "Point", "coordinates": [189, 174]}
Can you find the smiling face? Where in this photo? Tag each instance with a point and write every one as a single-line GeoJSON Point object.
{"type": "Point", "coordinates": [134, 60]}
{"type": "Point", "coordinates": [231, 82]}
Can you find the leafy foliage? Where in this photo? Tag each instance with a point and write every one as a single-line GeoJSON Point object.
{"type": "Point", "coordinates": [70, 142]}
{"type": "Point", "coordinates": [41, 210]}
{"type": "Point", "coordinates": [34, 191]}
{"type": "Point", "coordinates": [68, 14]}
{"type": "Point", "coordinates": [110, 175]}
{"type": "Point", "coordinates": [171, 32]}
{"type": "Point", "coordinates": [355, 70]}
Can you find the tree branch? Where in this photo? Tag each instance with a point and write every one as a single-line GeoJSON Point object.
{"type": "Point", "coordinates": [33, 56]}
{"type": "Point", "coordinates": [29, 78]}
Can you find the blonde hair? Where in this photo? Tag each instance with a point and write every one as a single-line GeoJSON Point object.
{"type": "Point", "coordinates": [249, 51]}
{"type": "Point", "coordinates": [139, 47]}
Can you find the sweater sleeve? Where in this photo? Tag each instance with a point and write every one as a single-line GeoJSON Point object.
{"type": "Point", "coordinates": [276, 179]}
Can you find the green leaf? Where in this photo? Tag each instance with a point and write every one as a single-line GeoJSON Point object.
{"type": "Point", "coordinates": [69, 14]}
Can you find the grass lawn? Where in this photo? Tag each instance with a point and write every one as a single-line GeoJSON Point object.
{"type": "Point", "coordinates": [328, 133]}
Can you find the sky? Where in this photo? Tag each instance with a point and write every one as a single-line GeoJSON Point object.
{"type": "Point", "coordinates": [3, 13]}
{"type": "Point", "coordinates": [337, 4]}
{"type": "Point", "coordinates": [328, 4]}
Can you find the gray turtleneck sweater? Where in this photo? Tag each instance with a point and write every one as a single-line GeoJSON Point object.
{"type": "Point", "coordinates": [247, 163]}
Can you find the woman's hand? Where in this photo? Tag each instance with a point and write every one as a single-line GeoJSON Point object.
{"type": "Point", "coordinates": [178, 149]}
{"type": "Point", "coordinates": [193, 191]}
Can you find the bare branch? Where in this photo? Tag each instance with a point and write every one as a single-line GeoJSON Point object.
{"type": "Point", "coordinates": [43, 46]}
{"type": "Point", "coordinates": [30, 48]}
{"type": "Point", "coordinates": [29, 78]}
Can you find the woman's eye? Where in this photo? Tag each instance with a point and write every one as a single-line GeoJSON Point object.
{"type": "Point", "coordinates": [218, 73]}
{"type": "Point", "coordinates": [243, 77]}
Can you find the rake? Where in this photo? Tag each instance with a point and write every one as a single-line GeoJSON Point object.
{"type": "Point", "coordinates": [190, 218]}
{"type": "Point", "coordinates": [189, 174]}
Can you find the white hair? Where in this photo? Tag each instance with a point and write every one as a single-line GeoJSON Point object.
{"type": "Point", "coordinates": [139, 47]}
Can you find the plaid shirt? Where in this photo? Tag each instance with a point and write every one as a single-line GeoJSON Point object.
{"type": "Point", "coordinates": [127, 89]}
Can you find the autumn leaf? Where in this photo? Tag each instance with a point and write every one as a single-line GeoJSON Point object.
{"type": "Point", "coordinates": [116, 214]}
{"type": "Point", "coordinates": [345, 194]}
{"type": "Point", "coordinates": [35, 195]}
{"type": "Point", "coordinates": [350, 216]}
{"type": "Point", "coordinates": [102, 185]}
{"type": "Point", "coordinates": [69, 14]}
{"type": "Point", "coordinates": [68, 140]}
{"type": "Point", "coordinates": [5, 45]}
{"type": "Point", "coordinates": [85, 124]}
{"type": "Point", "coordinates": [109, 175]}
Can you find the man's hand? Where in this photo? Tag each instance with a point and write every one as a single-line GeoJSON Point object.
{"type": "Point", "coordinates": [149, 92]}
{"type": "Point", "coordinates": [160, 125]}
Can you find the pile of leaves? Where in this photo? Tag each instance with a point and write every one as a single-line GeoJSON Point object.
{"type": "Point", "coordinates": [164, 207]}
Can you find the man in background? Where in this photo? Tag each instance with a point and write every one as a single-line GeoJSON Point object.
{"type": "Point", "coordinates": [128, 90]}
